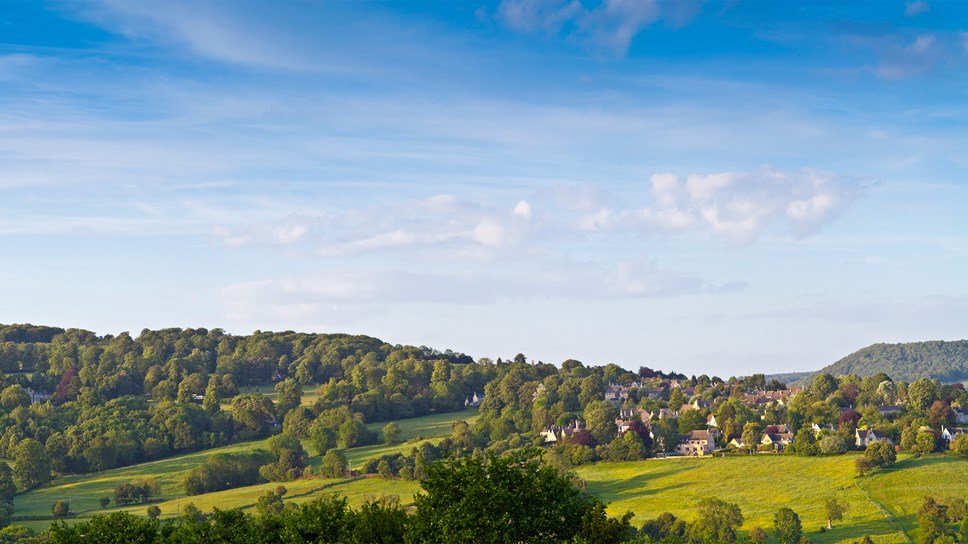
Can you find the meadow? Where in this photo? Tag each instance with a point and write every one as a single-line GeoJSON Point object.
{"type": "Point", "coordinates": [84, 491]}
{"type": "Point", "coordinates": [762, 484]}
{"type": "Point", "coordinates": [882, 504]}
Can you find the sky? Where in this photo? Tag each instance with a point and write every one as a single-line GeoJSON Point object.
{"type": "Point", "coordinates": [706, 187]}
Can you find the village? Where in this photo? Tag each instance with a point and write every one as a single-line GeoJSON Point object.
{"type": "Point", "coordinates": [771, 434]}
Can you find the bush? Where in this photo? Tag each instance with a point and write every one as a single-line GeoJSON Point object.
{"type": "Point", "coordinates": [960, 445]}
{"type": "Point", "coordinates": [60, 509]}
{"type": "Point", "coordinates": [832, 445]}
{"type": "Point", "coordinates": [862, 466]}
{"type": "Point", "coordinates": [154, 511]}
{"type": "Point", "coordinates": [105, 501]}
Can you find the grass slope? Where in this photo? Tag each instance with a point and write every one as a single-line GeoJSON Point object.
{"type": "Point", "coordinates": [760, 485]}
{"type": "Point", "coordinates": [84, 491]}
{"type": "Point", "coordinates": [902, 487]}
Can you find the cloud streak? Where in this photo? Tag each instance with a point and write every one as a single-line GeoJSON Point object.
{"type": "Point", "coordinates": [610, 25]}
{"type": "Point", "coordinates": [441, 222]}
{"type": "Point", "coordinates": [363, 290]}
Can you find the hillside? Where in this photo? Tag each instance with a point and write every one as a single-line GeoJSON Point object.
{"type": "Point", "coordinates": [946, 361]}
{"type": "Point", "coordinates": [882, 504]}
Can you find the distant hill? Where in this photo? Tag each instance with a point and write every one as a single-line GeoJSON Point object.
{"type": "Point", "coordinates": [790, 378]}
{"type": "Point", "coordinates": [946, 361]}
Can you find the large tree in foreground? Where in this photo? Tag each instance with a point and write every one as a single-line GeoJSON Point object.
{"type": "Point", "coordinates": [515, 498]}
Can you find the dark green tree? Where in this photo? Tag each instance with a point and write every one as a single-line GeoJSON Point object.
{"type": "Point", "coordinates": [717, 521]}
{"type": "Point", "coordinates": [60, 509]}
{"type": "Point", "coordinates": [31, 465]}
{"type": "Point", "coordinates": [823, 385]}
{"type": "Point", "coordinates": [506, 499]}
{"type": "Point", "coordinates": [835, 510]}
{"type": "Point", "coordinates": [253, 413]}
{"type": "Point", "coordinates": [391, 432]}
{"type": "Point", "coordinates": [600, 420]}
{"type": "Point", "coordinates": [333, 464]}
{"type": "Point", "coordinates": [288, 396]}
{"type": "Point", "coordinates": [787, 527]}
{"type": "Point", "coordinates": [921, 395]}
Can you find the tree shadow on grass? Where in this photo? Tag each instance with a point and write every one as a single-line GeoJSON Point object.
{"type": "Point", "coordinates": [638, 485]}
{"type": "Point", "coordinates": [846, 530]}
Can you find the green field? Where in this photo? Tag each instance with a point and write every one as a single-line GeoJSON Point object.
{"type": "Point", "coordinates": [309, 396]}
{"type": "Point", "coordinates": [882, 504]}
{"type": "Point", "coordinates": [84, 491]}
{"type": "Point", "coordinates": [760, 485]}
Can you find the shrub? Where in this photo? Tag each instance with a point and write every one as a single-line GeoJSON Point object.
{"type": "Point", "coordinates": [60, 509]}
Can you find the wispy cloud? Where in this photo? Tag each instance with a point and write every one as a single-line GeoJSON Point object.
{"type": "Point", "coordinates": [913, 9]}
{"type": "Point", "coordinates": [736, 206]}
{"type": "Point", "coordinates": [440, 222]}
{"type": "Point", "coordinates": [609, 25]}
{"type": "Point", "coordinates": [360, 290]}
{"type": "Point", "coordinates": [915, 58]}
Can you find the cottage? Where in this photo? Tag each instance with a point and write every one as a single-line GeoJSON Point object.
{"type": "Point", "coordinates": [696, 443]}
{"type": "Point", "coordinates": [556, 433]}
{"type": "Point", "coordinates": [865, 438]}
{"type": "Point", "coordinates": [825, 427]}
{"type": "Point", "coordinates": [783, 428]}
{"type": "Point", "coordinates": [38, 397]}
{"type": "Point", "coordinates": [702, 404]}
{"type": "Point", "coordinates": [961, 415]}
{"type": "Point", "coordinates": [778, 441]}
{"type": "Point", "coordinates": [711, 421]}
{"type": "Point", "coordinates": [949, 434]}
{"type": "Point", "coordinates": [889, 410]}
{"type": "Point", "coordinates": [629, 413]}
{"type": "Point", "coordinates": [651, 393]}
{"type": "Point", "coordinates": [474, 401]}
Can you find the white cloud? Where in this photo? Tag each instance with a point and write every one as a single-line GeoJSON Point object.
{"type": "Point", "coordinates": [523, 209]}
{"type": "Point", "coordinates": [913, 9]}
{"type": "Point", "coordinates": [735, 205]}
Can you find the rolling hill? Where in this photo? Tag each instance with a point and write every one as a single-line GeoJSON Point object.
{"type": "Point", "coordinates": [946, 361]}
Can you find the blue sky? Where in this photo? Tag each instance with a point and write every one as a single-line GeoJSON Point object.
{"type": "Point", "coordinates": [708, 187]}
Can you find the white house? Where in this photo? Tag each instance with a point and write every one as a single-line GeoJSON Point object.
{"type": "Point", "coordinates": [865, 438]}
{"type": "Point", "coordinates": [949, 434]}
{"type": "Point", "coordinates": [696, 443]}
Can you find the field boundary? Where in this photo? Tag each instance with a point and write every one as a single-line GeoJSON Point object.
{"type": "Point", "coordinates": [887, 514]}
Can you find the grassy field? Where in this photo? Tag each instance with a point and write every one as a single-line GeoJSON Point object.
{"type": "Point", "coordinates": [356, 490]}
{"type": "Point", "coordinates": [309, 396]}
{"type": "Point", "coordinates": [882, 504]}
{"type": "Point", "coordinates": [84, 491]}
{"type": "Point", "coordinates": [902, 487]}
{"type": "Point", "coordinates": [760, 485]}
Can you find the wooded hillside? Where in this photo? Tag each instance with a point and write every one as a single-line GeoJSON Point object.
{"type": "Point", "coordinates": [945, 361]}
